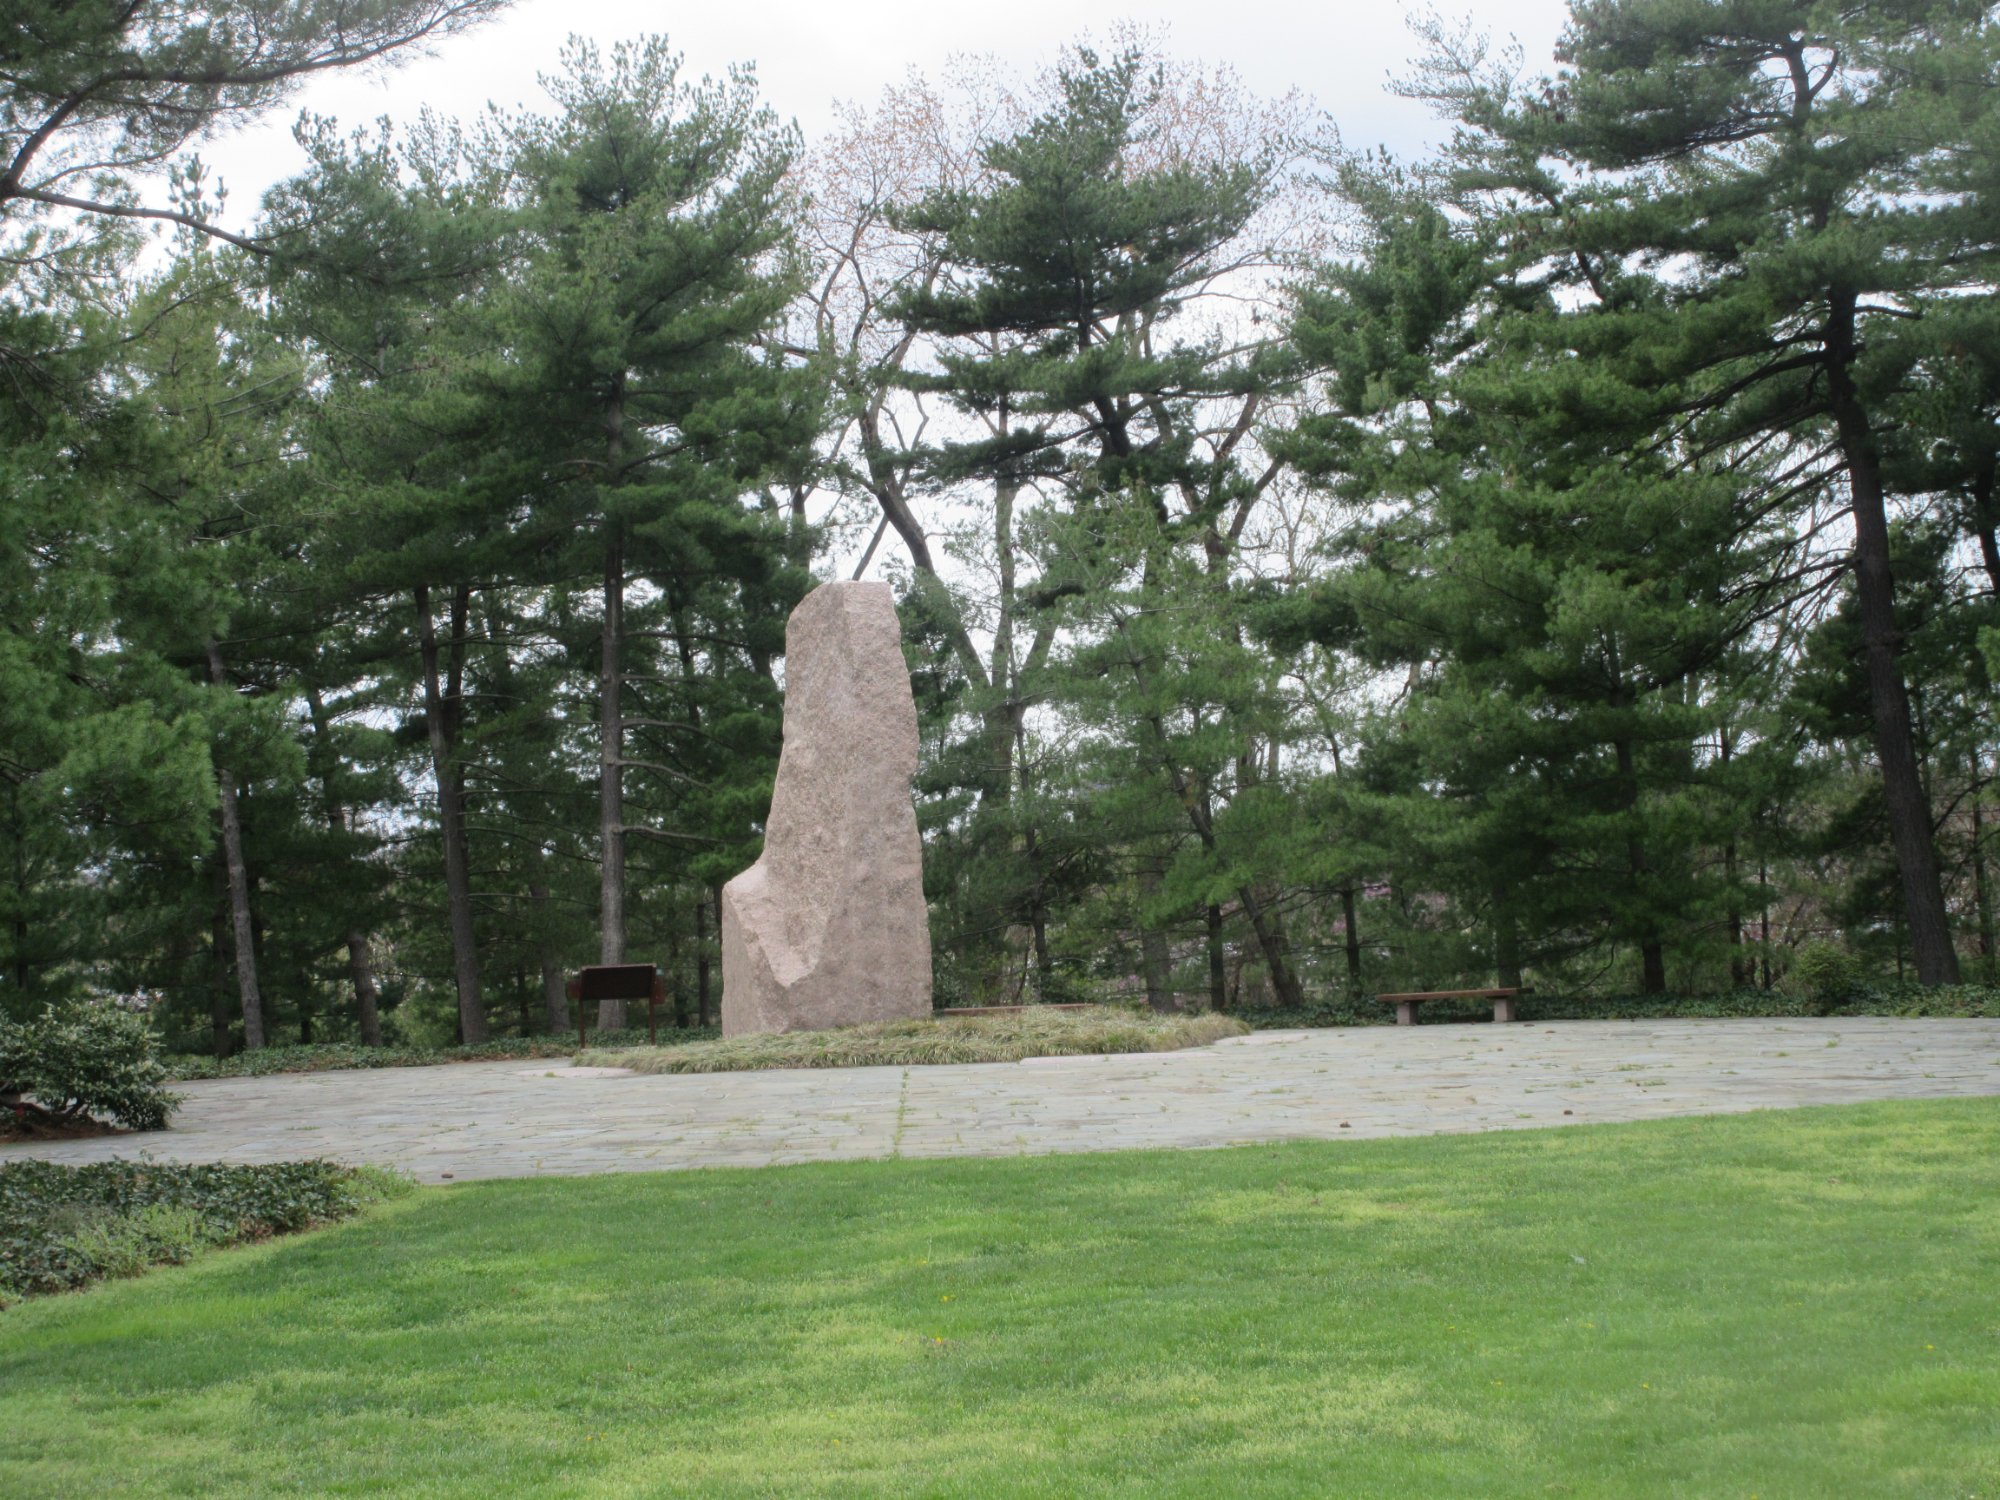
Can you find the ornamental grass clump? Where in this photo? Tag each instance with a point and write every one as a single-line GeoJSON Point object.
{"type": "Point", "coordinates": [90, 1062]}
{"type": "Point", "coordinates": [1006, 1036]}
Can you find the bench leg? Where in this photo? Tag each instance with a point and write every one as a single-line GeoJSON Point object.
{"type": "Point", "coordinates": [1406, 1013]}
{"type": "Point", "coordinates": [1503, 1010]}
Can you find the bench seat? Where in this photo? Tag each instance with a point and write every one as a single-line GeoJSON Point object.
{"type": "Point", "coordinates": [1406, 1004]}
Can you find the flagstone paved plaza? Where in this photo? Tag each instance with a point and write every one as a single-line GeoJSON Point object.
{"type": "Point", "coordinates": [511, 1119]}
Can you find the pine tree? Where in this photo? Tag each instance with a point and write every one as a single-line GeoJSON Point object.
{"type": "Point", "coordinates": [1053, 314]}
{"type": "Point", "coordinates": [1557, 590]}
{"type": "Point", "coordinates": [1810, 186]}
{"type": "Point", "coordinates": [656, 262]}
{"type": "Point", "coordinates": [96, 95]}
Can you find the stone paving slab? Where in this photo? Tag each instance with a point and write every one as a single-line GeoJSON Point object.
{"type": "Point", "coordinates": [474, 1120]}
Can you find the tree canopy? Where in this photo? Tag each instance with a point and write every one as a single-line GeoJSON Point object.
{"type": "Point", "coordinates": [1566, 559]}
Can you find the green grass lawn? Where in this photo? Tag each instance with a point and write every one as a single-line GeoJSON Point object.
{"type": "Point", "coordinates": [1784, 1304]}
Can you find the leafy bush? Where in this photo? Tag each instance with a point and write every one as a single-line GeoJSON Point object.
{"type": "Point", "coordinates": [90, 1061]}
{"type": "Point", "coordinates": [63, 1226]}
{"type": "Point", "coordinates": [1825, 971]}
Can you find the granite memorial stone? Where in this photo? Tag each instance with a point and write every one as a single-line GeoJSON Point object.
{"type": "Point", "coordinates": [829, 927]}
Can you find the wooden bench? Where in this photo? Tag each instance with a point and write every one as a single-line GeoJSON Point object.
{"type": "Point", "coordinates": [618, 982]}
{"type": "Point", "coordinates": [1406, 1005]}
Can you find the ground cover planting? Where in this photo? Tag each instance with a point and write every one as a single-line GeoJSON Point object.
{"type": "Point", "coordinates": [62, 1227]}
{"type": "Point", "coordinates": [1006, 1036]}
{"type": "Point", "coordinates": [1908, 1001]}
{"type": "Point", "coordinates": [323, 1057]}
{"type": "Point", "coordinates": [1783, 1304]}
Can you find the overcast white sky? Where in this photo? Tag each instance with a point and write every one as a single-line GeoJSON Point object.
{"type": "Point", "coordinates": [810, 53]}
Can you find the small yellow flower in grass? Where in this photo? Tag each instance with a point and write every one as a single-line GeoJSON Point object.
{"type": "Point", "coordinates": [945, 1298]}
{"type": "Point", "coordinates": [1644, 1387]}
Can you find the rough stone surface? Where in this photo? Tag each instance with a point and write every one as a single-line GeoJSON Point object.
{"type": "Point", "coordinates": [829, 927]}
{"type": "Point", "coordinates": [506, 1119]}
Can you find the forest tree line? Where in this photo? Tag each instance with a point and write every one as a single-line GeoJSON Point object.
{"type": "Point", "coordinates": [1567, 559]}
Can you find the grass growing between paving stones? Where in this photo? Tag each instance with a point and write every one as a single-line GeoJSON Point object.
{"type": "Point", "coordinates": [1779, 1304]}
{"type": "Point", "coordinates": [1009, 1037]}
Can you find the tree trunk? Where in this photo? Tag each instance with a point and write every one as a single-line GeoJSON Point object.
{"type": "Point", "coordinates": [701, 957]}
{"type": "Point", "coordinates": [360, 965]}
{"type": "Point", "coordinates": [220, 967]}
{"type": "Point", "coordinates": [611, 724]}
{"type": "Point", "coordinates": [555, 993]}
{"type": "Point", "coordinates": [1764, 925]}
{"type": "Point", "coordinates": [1652, 954]}
{"type": "Point", "coordinates": [442, 711]}
{"type": "Point", "coordinates": [1983, 522]}
{"type": "Point", "coordinates": [715, 915]}
{"type": "Point", "coordinates": [1982, 887]}
{"type": "Point", "coordinates": [1739, 961]}
{"type": "Point", "coordinates": [611, 782]}
{"type": "Point", "coordinates": [23, 968]}
{"type": "Point", "coordinates": [1154, 959]}
{"type": "Point", "coordinates": [1031, 845]}
{"type": "Point", "coordinates": [1269, 929]}
{"type": "Point", "coordinates": [1000, 719]}
{"type": "Point", "coordinates": [1351, 929]}
{"type": "Point", "coordinates": [1506, 941]}
{"type": "Point", "coordinates": [555, 997]}
{"type": "Point", "coordinates": [1875, 591]}
{"type": "Point", "coordinates": [1652, 968]}
{"type": "Point", "coordinates": [239, 883]}
{"type": "Point", "coordinates": [367, 999]}
{"type": "Point", "coordinates": [1218, 960]}
{"type": "Point", "coordinates": [1038, 928]}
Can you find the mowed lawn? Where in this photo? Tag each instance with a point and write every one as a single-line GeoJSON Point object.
{"type": "Point", "coordinates": [1803, 1303]}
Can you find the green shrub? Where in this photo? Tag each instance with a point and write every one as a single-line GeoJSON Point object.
{"type": "Point", "coordinates": [63, 1226]}
{"type": "Point", "coordinates": [324, 1056]}
{"type": "Point", "coordinates": [1825, 971]}
{"type": "Point", "coordinates": [89, 1061]}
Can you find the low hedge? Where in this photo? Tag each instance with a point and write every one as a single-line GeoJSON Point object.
{"type": "Point", "coordinates": [322, 1056]}
{"type": "Point", "coordinates": [62, 1227]}
{"type": "Point", "coordinates": [1957, 1000]}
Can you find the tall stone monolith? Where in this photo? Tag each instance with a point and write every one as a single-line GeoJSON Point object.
{"type": "Point", "coordinates": [829, 927]}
